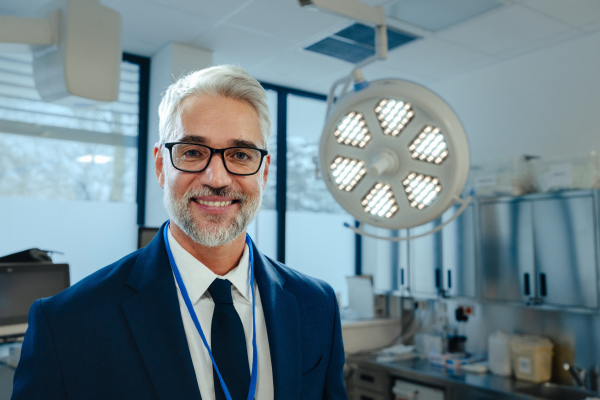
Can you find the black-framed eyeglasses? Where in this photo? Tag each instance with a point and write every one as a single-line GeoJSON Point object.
{"type": "Point", "coordinates": [194, 157]}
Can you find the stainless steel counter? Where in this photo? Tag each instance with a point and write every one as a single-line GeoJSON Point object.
{"type": "Point", "coordinates": [461, 385]}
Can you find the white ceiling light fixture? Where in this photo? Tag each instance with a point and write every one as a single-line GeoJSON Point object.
{"type": "Point", "coordinates": [394, 154]}
{"type": "Point", "coordinates": [76, 47]}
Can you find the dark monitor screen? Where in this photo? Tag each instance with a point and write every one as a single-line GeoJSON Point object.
{"type": "Point", "coordinates": [23, 283]}
{"type": "Point", "coordinates": [145, 235]}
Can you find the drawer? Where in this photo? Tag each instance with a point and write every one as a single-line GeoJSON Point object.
{"type": "Point", "coordinates": [361, 394]}
{"type": "Point", "coordinates": [371, 380]}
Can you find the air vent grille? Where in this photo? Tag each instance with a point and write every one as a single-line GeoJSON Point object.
{"type": "Point", "coordinates": [357, 42]}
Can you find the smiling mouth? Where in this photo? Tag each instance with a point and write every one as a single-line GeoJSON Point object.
{"type": "Point", "coordinates": [214, 203]}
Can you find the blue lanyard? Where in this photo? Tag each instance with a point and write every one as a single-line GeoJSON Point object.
{"type": "Point", "coordinates": [190, 307]}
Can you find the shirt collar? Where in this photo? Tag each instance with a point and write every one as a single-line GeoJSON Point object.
{"type": "Point", "coordinates": [197, 277]}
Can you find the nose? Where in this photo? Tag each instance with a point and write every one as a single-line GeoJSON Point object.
{"type": "Point", "coordinates": [215, 175]}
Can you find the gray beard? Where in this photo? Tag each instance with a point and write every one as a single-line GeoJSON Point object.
{"type": "Point", "coordinates": [211, 235]}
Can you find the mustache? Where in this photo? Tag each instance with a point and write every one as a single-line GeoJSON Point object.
{"type": "Point", "coordinates": [219, 192]}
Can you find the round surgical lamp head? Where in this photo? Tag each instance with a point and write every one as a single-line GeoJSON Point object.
{"type": "Point", "coordinates": [394, 154]}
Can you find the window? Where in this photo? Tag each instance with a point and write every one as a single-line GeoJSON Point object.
{"type": "Point", "coordinates": [49, 151]}
{"type": "Point", "coordinates": [68, 176]}
{"type": "Point", "coordinates": [317, 243]}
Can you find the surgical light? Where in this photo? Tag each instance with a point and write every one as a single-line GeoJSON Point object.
{"type": "Point", "coordinates": [400, 154]}
{"type": "Point", "coordinates": [415, 164]}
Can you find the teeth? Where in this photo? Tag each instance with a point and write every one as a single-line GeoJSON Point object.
{"type": "Point", "coordinates": [214, 203]}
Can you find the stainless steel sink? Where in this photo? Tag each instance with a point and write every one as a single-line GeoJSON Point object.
{"type": "Point", "coordinates": [553, 391]}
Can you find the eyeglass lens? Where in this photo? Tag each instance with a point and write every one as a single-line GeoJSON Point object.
{"type": "Point", "coordinates": [195, 157]}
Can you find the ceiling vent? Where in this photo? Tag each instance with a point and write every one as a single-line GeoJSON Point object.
{"type": "Point", "coordinates": [357, 43]}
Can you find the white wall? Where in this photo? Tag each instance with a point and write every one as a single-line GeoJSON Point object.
{"type": "Point", "coordinates": [90, 234]}
{"type": "Point", "coordinates": [545, 103]}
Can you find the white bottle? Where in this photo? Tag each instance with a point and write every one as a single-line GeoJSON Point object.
{"type": "Point", "coordinates": [499, 353]}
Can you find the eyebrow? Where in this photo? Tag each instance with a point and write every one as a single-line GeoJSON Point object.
{"type": "Point", "coordinates": [233, 143]}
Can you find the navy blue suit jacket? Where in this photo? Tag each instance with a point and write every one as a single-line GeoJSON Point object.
{"type": "Point", "coordinates": [118, 334]}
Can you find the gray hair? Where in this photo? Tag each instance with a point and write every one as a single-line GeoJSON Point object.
{"type": "Point", "coordinates": [219, 81]}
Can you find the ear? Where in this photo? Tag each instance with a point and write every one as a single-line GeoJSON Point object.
{"type": "Point", "coordinates": [158, 165]}
{"type": "Point", "coordinates": [267, 162]}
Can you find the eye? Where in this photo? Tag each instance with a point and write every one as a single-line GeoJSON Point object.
{"type": "Point", "coordinates": [191, 153]}
{"type": "Point", "coordinates": [241, 156]}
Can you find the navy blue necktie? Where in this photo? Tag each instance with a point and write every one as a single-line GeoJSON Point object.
{"type": "Point", "coordinates": [228, 344]}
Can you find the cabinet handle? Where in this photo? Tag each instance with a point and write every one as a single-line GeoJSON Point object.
{"type": "Point", "coordinates": [527, 292]}
{"type": "Point", "coordinates": [449, 279]}
{"type": "Point", "coordinates": [363, 397]}
{"type": "Point", "coordinates": [367, 378]}
{"type": "Point", "coordinates": [543, 285]}
{"type": "Point", "coordinates": [438, 278]}
{"type": "Point", "coordinates": [402, 276]}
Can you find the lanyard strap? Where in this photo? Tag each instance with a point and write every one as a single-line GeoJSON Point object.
{"type": "Point", "coordinates": [190, 307]}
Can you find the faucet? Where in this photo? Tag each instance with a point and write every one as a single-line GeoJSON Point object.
{"type": "Point", "coordinates": [579, 375]}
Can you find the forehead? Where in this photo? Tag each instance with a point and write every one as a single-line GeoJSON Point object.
{"type": "Point", "coordinates": [220, 121]}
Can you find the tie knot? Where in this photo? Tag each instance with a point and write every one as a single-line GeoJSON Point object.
{"type": "Point", "coordinates": [220, 290]}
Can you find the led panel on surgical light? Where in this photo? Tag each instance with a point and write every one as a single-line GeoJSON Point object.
{"type": "Point", "coordinates": [352, 130]}
{"type": "Point", "coordinates": [429, 146]}
{"type": "Point", "coordinates": [347, 172]}
{"type": "Point", "coordinates": [421, 190]}
{"type": "Point", "coordinates": [393, 115]}
{"type": "Point", "coordinates": [380, 201]}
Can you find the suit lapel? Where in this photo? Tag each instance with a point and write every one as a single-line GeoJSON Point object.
{"type": "Point", "coordinates": [155, 321]}
{"type": "Point", "coordinates": [283, 329]}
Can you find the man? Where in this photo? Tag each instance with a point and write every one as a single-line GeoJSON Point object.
{"type": "Point", "coordinates": [142, 327]}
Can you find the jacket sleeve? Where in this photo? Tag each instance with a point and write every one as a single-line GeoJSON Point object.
{"type": "Point", "coordinates": [38, 374]}
{"type": "Point", "coordinates": [334, 380]}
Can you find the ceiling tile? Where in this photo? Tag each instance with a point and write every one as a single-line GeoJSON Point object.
{"type": "Point", "coordinates": [215, 10]}
{"type": "Point", "coordinates": [22, 8]}
{"type": "Point", "coordinates": [584, 14]}
{"type": "Point", "coordinates": [232, 45]}
{"type": "Point", "coordinates": [435, 58]}
{"type": "Point", "coordinates": [508, 31]}
{"type": "Point", "coordinates": [286, 19]}
{"type": "Point", "coordinates": [157, 25]}
{"type": "Point", "coordinates": [301, 69]}
{"type": "Point", "coordinates": [435, 15]}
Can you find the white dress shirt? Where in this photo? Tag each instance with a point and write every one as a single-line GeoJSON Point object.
{"type": "Point", "coordinates": [197, 278]}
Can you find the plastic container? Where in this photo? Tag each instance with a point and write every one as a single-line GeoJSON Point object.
{"type": "Point", "coordinates": [567, 172]}
{"type": "Point", "coordinates": [510, 176]}
{"type": "Point", "coordinates": [499, 354]}
{"type": "Point", "coordinates": [532, 358]}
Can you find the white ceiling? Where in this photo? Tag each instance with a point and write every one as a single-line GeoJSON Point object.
{"type": "Point", "coordinates": [267, 37]}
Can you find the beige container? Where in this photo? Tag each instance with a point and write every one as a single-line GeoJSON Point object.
{"type": "Point", "coordinates": [532, 358]}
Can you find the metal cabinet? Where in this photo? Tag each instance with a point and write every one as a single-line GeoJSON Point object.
{"type": "Point", "coordinates": [425, 258]}
{"type": "Point", "coordinates": [541, 249]}
{"type": "Point", "coordinates": [506, 239]}
{"type": "Point", "coordinates": [565, 251]}
{"type": "Point", "coordinates": [444, 262]}
{"type": "Point", "coordinates": [459, 261]}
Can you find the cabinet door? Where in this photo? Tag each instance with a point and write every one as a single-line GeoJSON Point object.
{"type": "Point", "coordinates": [377, 260]}
{"type": "Point", "coordinates": [506, 250]}
{"type": "Point", "coordinates": [565, 251]}
{"type": "Point", "coordinates": [425, 261]}
{"type": "Point", "coordinates": [458, 253]}
{"type": "Point", "coordinates": [401, 262]}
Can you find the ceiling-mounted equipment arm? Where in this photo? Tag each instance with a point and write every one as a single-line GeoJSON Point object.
{"type": "Point", "coordinates": [352, 9]}
{"type": "Point", "coordinates": [76, 48]}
